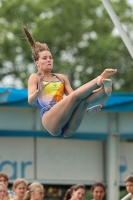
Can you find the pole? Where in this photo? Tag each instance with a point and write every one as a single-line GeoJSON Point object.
{"type": "Point", "coordinates": [118, 25]}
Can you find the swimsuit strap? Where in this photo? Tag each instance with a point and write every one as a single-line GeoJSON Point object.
{"type": "Point", "coordinates": [58, 77]}
{"type": "Point", "coordinates": [38, 74]}
{"type": "Point", "coordinates": [53, 75]}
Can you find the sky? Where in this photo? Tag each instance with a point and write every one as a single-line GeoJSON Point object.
{"type": "Point", "coordinates": [130, 1]}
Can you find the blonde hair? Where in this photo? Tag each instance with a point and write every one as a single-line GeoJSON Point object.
{"type": "Point", "coordinates": [18, 181]}
{"type": "Point", "coordinates": [5, 188]}
{"type": "Point", "coordinates": [32, 188]}
{"type": "Point", "coordinates": [36, 47]}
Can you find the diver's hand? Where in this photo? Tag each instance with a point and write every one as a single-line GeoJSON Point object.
{"type": "Point", "coordinates": [41, 85]}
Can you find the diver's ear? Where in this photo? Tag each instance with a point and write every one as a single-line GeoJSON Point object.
{"type": "Point", "coordinates": [36, 64]}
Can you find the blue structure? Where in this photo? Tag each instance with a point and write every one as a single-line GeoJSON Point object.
{"type": "Point", "coordinates": [117, 102]}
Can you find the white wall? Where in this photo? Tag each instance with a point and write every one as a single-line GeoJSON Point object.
{"type": "Point", "coordinates": [51, 160]}
{"type": "Point", "coordinates": [68, 161]}
{"type": "Point", "coordinates": [59, 160]}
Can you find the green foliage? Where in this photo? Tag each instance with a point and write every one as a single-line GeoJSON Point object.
{"type": "Point", "coordinates": [88, 195]}
{"type": "Point", "coordinates": [123, 193]}
{"type": "Point", "coordinates": [80, 34]}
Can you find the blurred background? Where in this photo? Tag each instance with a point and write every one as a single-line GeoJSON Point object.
{"type": "Point", "coordinates": [80, 34]}
{"type": "Point", "coordinates": [81, 37]}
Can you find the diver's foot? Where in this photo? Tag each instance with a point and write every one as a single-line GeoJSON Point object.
{"type": "Point", "coordinates": [107, 83]}
{"type": "Point", "coordinates": [106, 73]}
{"type": "Point", "coordinates": [94, 109]}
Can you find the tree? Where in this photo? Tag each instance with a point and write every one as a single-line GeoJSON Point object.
{"type": "Point", "coordinates": [80, 34]}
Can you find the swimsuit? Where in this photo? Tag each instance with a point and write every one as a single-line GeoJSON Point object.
{"type": "Point", "coordinates": [50, 95]}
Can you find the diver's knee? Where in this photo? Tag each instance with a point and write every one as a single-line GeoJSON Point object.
{"type": "Point", "coordinates": [68, 134]}
{"type": "Point", "coordinates": [53, 132]}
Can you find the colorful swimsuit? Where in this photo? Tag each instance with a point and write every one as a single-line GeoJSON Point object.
{"type": "Point", "coordinates": [50, 95]}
